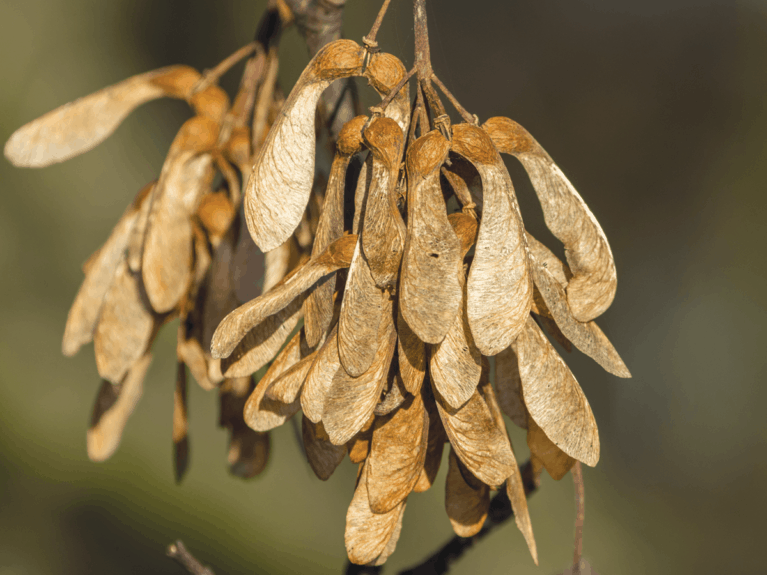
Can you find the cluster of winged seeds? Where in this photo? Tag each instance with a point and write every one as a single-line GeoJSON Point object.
{"type": "Point", "coordinates": [409, 264]}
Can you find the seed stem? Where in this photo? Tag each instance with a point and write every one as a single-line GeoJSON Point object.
{"type": "Point", "coordinates": [423, 58]}
{"type": "Point", "coordinates": [467, 117]}
{"type": "Point", "coordinates": [370, 39]}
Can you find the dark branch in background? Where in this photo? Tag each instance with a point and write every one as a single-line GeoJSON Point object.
{"type": "Point", "coordinates": [319, 22]}
{"type": "Point", "coordinates": [180, 553]}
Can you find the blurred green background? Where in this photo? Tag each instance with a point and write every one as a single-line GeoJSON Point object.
{"type": "Point", "coordinates": [656, 110]}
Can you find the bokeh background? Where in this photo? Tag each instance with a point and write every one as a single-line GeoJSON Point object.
{"type": "Point", "coordinates": [656, 110]}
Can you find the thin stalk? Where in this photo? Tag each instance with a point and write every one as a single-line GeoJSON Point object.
{"type": "Point", "coordinates": [370, 39]}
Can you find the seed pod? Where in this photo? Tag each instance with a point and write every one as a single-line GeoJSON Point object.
{"type": "Point", "coordinates": [509, 387]}
{"type": "Point", "coordinates": [556, 461]}
{"type": "Point", "coordinates": [125, 327]}
{"type": "Point", "coordinates": [500, 290]}
{"type": "Point", "coordinates": [281, 183]}
{"type": "Point", "coordinates": [242, 320]}
{"type": "Point", "coordinates": [351, 400]}
{"type": "Point", "coordinates": [411, 355]}
{"type": "Point", "coordinates": [180, 425]}
{"type": "Point", "coordinates": [219, 298]}
{"type": "Point", "coordinates": [361, 311]}
{"type": "Point", "coordinates": [430, 292]}
{"type": "Point", "coordinates": [186, 175]}
{"type": "Point", "coordinates": [587, 337]}
{"type": "Point", "coordinates": [359, 445]}
{"type": "Point", "coordinates": [434, 448]}
{"type": "Point", "coordinates": [384, 72]}
{"type": "Point", "coordinates": [397, 455]}
{"type": "Point", "coordinates": [320, 378]}
{"type": "Point", "coordinates": [467, 499]}
{"type": "Point", "coordinates": [455, 363]}
{"type": "Point", "coordinates": [81, 125]}
{"type": "Point", "coordinates": [100, 273]}
{"type": "Point", "coordinates": [553, 397]}
{"type": "Point", "coordinates": [367, 534]}
{"type": "Point", "coordinates": [286, 388]}
{"type": "Point", "coordinates": [477, 439]}
{"type": "Point", "coordinates": [393, 395]}
{"type": "Point", "coordinates": [322, 455]}
{"type": "Point", "coordinates": [592, 287]}
{"type": "Point", "coordinates": [264, 414]}
{"type": "Point", "coordinates": [383, 232]}
{"type": "Point", "coordinates": [114, 405]}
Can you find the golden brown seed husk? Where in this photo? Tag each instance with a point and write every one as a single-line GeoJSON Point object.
{"type": "Point", "coordinates": [322, 455]}
{"type": "Point", "coordinates": [466, 503]}
{"type": "Point", "coordinates": [320, 377]}
{"type": "Point", "coordinates": [555, 461]}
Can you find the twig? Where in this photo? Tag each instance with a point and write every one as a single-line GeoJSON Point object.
{"type": "Point", "coordinates": [467, 117]}
{"type": "Point", "coordinates": [370, 39]}
{"type": "Point", "coordinates": [212, 76]}
{"type": "Point", "coordinates": [500, 512]}
{"type": "Point", "coordinates": [423, 58]}
{"type": "Point", "coordinates": [181, 554]}
{"type": "Point", "coordinates": [580, 514]}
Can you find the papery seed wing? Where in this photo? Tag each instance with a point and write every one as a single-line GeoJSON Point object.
{"type": "Point", "coordinates": [397, 455]}
{"type": "Point", "coordinates": [385, 71]}
{"type": "Point", "coordinates": [245, 318]}
{"type": "Point", "coordinates": [466, 229]}
{"type": "Point", "coordinates": [465, 181]}
{"type": "Point", "coordinates": [554, 398]}
{"type": "Point", "coordinates": [476, 438]}
{"type": "Point", "coordinates": [114, 405]}
{"type": "Point", "coordinates": [364, 179]}
{"type": "Point", "coordinates": [361, 311]}
{"type": "Point", "coordinates": [263, 414]}
{"type": "Point", "coordinates": [394, 394]}
{"type": "Point", "coordinates": [180, 424]}
{"type": "Point", "coordinates": [320, 378]}
{"type": "Point", "coordinates": [125, 326]}
{"type": "Point", "coordinates": [500, 290]}
{"type": "Point", "coordinates": [322, 455]}
{"type": "Point", "coordinates": [368, 533]}
{"type": "Point", "coordinates": [391, 545]}
{"type": "Point", "coordinates": [556, 461]}
{"type": "Point", "coordinates": [430, 292]}
{"type": "Point", "coordinates": [216, 214]}
{"type": "Point", "coordinates": [359, 445]}
{"type": "Point", "coordinates": [455, 363]}
{"type": "Point", "coordinates": [281, 183]}
{"type": "Point", "coordinates": [383, 231]}
{"type": "Point", "coordinates": [509, 387]}
{"type": "Point", "coordinates": [436, 443]}
{"type": "Point", "coordinates": [83, 315]}
{"type": "Point", "coordinates": [592, 288]}
{"type": "Point", "coordinates": [351, 400]}
{"type": "Point", "coordinates": [81, 125]}
{"type": "Point", "coordinates": [411, 355]}
{"type": "Point", "coordinates": [587, 337]}
{"type": "Point", "coordinates": [248, 452]}
{"type": "Point", "coordinates": [220, 298]}
{"type": "Point", "coordinates": [466, 504]}
{"type": "Point", "coordinates": [286, 388]}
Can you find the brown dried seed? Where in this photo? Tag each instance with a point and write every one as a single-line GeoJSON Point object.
{"type": "Point", "coordinates": [476, 438]}
{"type": "Point", "coordinates": [351, 400]}
{"type": "Point", "coordinates": [320, 377]}
{"type": "Point", "coordinates": [361, 311]}
{"type": "Point", "coordinates": [411, 355]}
{"type": "Point", "coordinates": [509, 387]}
{"type": "Point", "coordinates": [125, 326]}
{"type": "Point", "coordinates": [455, 363]}
{"type": "Point", "coordinates": [436, 443]}
{"type": "Point", "coordinates": [318, 307]}
{"type": "Point", "coordinates": [466, 229]}
{"type": "Point", "coordinates": [500, 289]}
{"type": "Point", "coordinates": [216, 214]}
{"type": "Point", "coordinates": [248, 452]}
{"type": "Point", "coordinates": [264, 414]}
{"type": "Point", "coordinates": [367, 534]}
{"type": "Point", "coordinates": [384, 71]}
{"type": "Point", "coordinates": [114, 405]}
{"type": "Point", "coordinates": [394, 394]}
{"type": "Point", "coordinates": [322, 455]}
{"type": "Point", "coordinates": [391, 545]}
{"type": "Point", "coordinates": [81, 125]}
{"type": "Point", "coordinates": [587, 337]}
{"type": "Point", "coordinates": [281, 183]}
{"type": "Point", "coordinates": [180, 424]}
{"type": "Point", "coordinates": [219, 299]}
{"type": "Point", "coordinates": [430, 292]}
{"type": "Point", "coordinates": [383, 231]}
{"type": "Point", "coordinates": [186, 175]}
{"type": "Point", "coordinates": [136, 240]}
{"type": "Point", "coordinates": [101, 268]}
{"type": "Point", "coordinates": [554, 398]}
{"type": "Point", "coordinates": [466, 504]}
{"type": "Point", "coordinates": [592, 288]}
{"type": "Point", "coordinates": [287, 387]}
{"type": "Point", "coordinates": [556, 461]}
{"type": "Point", "coordinates": [397, 455]}
{"type": "Point", "coordinates": [245, 318]}
{"type": "Point", "coordinates": [212, 102]}
{"type": "Point", "coordinates": [465, 181]}
{"type": "Point", "coordinates": [359, 445]}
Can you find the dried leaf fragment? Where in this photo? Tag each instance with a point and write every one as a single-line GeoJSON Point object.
{"type": "Point", "coordinates": [322, 455]}
{"type": "Point", "coordinates": [509, 387]}
{"type": "Point", "coordinates": [466, 503]}
{"type": "Point", "coordinates": [320, 378]}
{"type": "Point", "coordinates": [556, 461]}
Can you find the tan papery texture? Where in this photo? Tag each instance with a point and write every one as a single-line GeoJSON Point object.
{"type": "Point", "coordinates": [556, 461]}
{"type": "Point", "coordinates": [264, 414]}
{"type": "Point", "coordinates": [114, 405]}
{"type": "Point", "coordinates": [359, 445]}
{"type": "Point", "coordinates": [351, 400]}
{"type": "Point", "coordinates": [465, 181]}
{"type": "Point", "coordinates": [384, 71]}
{"type": "Point", "coordinates": [509, 387]}
{"type": "Point", "coordinates": [391, 545]}
{"type": "Point", "coordinates": [99, 274]}
{"type": "Point", "coordinates": [318, 307]}
{"type": "Point", "coordinates": [368, 533]}
{"type": "Point", "coordinates": [245, 318]}
{"type": "Point", "coordinates": [434, 448]}
{"type": "Point", "coordinates": [361, 311]}
{"type": "Point", "coordinates": [411, 355]}
{"type": "Point", "coordinates": [248, 452]}
{"type": "Point", "coordinates": [281, 183]}
{"type": "Point", "coordinates": [322, 455]}
{"type": "Point", "coordinates": [592, 288]}
{"type": "Point", "coordinates": [287, 387]}
{"type": "Point", "coordinates": [394, 394]}
{"type": "Point", "coordinates": [466, 504]}
{"type": "Point", "coordinates": [125, 326]}
{"type": "Point", "coordinates": [220, 298]}
{"type": "Point", "coordinates": [476, 438]}
{"type": "Point", "coordinates": [455, 363]}
{"type": "Point", "coordinates": [383, 231]}
{"type": "Point", "coordinates": [500, 289]}
{"type": "Point", "coordinates": [81, 125]}
{"type": "Point", "coordinates": [397, 455]}
{"type": "Point", "coordinates": [364, 180]}
{"type": "Point", "coordinates": [320, 377]}
{"type": "Point", "coordinates": [430, 292]}
{"type": "Point", "coordinates": [554, 398]}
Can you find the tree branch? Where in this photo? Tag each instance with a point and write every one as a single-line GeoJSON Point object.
{"type": "Point", "coordinates": [181, 554]}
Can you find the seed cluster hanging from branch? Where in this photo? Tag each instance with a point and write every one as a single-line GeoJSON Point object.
{"type": "Point", "coordinates": [381, 305]}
